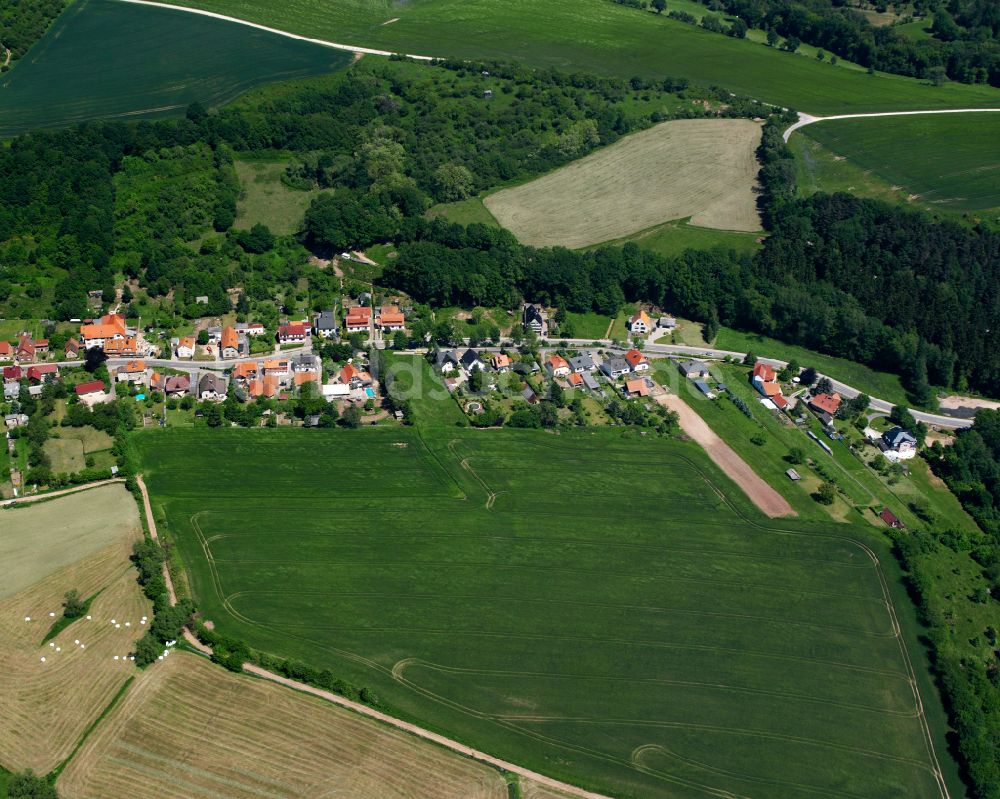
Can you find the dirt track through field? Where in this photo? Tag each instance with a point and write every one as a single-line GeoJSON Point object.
{"type": "Point", "coordinates": [738, 470]}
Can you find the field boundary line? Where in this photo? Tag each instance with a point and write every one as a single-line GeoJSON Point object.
{"type": "Point", "coordinates": [60, 493]}
{"type": "Point", "coordinates": [808, 119]}
{"type": "Point", "coordinates": [322, 42]}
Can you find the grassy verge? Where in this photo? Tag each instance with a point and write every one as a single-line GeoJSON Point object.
{"type": "Point", "coordinates": [673, 238]}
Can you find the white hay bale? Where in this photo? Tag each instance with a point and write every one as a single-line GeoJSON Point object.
{"type": "Point", "coordinates": [51, 613]}
{"type": "Point", "coordinates": [27, 618]}
{"type": "Point", "coordinates": [43, 660]}
{"type": "Point", "coordinates": [116, 657]}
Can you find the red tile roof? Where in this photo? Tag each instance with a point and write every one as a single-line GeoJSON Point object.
{"type": "Point", "coordinates": [92, 387]}
{"type": "Point", "coordinates": [557, 362]}
{"type": "Point", "coordinates": [825, 403]}
{"type": "Point", "coordinates": [38, 372]}
{"type": "Point", "coordinates": [12, 373]}
{"type": "Point", "coordinates": [229, 338]}
{"type": "Point", "coordinates": [634, 358]}
{"type": "Point", "coordinates": [6, 349]}
{"type": "Point", "coordinates": [764, 371]}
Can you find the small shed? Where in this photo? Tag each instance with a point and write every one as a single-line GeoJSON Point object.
{"type": "Point", "coordinates": [891, 519]}
{"type": "Point", "coordinates": [793, 475]}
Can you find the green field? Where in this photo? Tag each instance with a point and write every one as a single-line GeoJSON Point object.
{"type": "Point", "coordinates": [266, 200]}
{"type": "Point", "coordinates": [947, 162]}
{"type": "Point", "coordinates": [464, 212]}
{"type": "Point", "coordinates": [876, 384]}
{"type": "Point", "coordinates": [600, 36]}
{"type": "Point", "coordinates": [673, 238]}
{"type": "Point", "coordinates": [109, 59]}
{"type": "Point", "coordinates": [604, 609]}
{"type": "Point", "coordinates": [588, 325]}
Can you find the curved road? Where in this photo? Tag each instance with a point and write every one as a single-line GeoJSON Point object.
{"type": "Point", "coordinates": [808, 119]}
{"type": "Point", "coordinates": [323, 42]}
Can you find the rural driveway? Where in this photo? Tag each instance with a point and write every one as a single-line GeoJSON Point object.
{"type": "Point", "coordinates": [323, 42]}
{"type": "Point", "coordinates": [738, 470]}
{"type": "Point", "coordinates": [808, 119]}
{"type": "Point", "coordinates": [61, 492]}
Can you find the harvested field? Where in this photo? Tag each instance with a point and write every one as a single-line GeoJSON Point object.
{"type": "Point", "coordinates": [190, 729]}
{"type": "Point", "coordinates": [738, 470]}
{"type": "Point", "coordinates": [38, 540]}
{"type": "Point", "coordinates": [533, 790]}
{"type": "Point", "coordinates": [699, 168]}
{"type": "Point", "coordinates": [47, 706]}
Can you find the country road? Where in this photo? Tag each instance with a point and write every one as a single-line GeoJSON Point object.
{"type": "Point", "coordinates": [808, 119]}
{"type": "Point", "coordinates": [322, 42]}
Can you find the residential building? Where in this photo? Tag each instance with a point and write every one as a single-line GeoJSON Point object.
{"type": "Point", "coordinates": [335, 391]}
{"type": "Point", "coordinates": [251, 329]}
{"type": "Point", "coordinates": [390, 318]}
{"type": "Point", "coordinates": [529, 395]}
{"type": "Point", "coordinates": [301, 378]}
{"type": "Point", "coordinates": [43, 373]}
{"type": "Point", "coordinates": [590, 382]}
{"type": "Point", "coordinates": [614, 367]}
{"type": "Point", "coordinates": [26, 351]}
{"type": "Point", "coordinates": [292, 333]}
{"type": "Point", "coordinates": [133, 371]}
{"type": "Point", "coordinates": [637, 387]}
{"type": "Point", "coordinates": [245, 372]}
{"type": "Point", "coordinates": [575, 380]}
{"type": "Point", "coordinates": [305, 362]}
{"type": "Point", "coordinates": [533, 318]}
{"type": "Point", "coordinates": [639, 324]}
{"type": "Point", "coordinates": [325, 324]}
{"type": "Point", "coordinates": [762, 372]}
{"type": "Point", "coordinates": [637, 361]}
{"type": "Point", "coordinates": [72, 348]}
{"type": "Point", "coordinates": [185, 347]}
{"type": "Point", "coordinates": [266, 387]}
{"type": "Point", "coordinates": [694, 370]}
{"type": "Point", "coordinates": [581, 363]}
{"type": "Point", "coordinates": [347, 374]}
{"type": "Point", "coordinates": [92, 392]}
{"type": "Point", "coordinates": [765, 380]}
{"type": "Point", "coordinates": [898, 444]}
{"type": "Point", "coordinates": [11, 389]}
{"type": "Point", "coordinates": [667, 323]}
{"type": "Point", "coordinates": [229, 343]}
{"type": "Point", "coordinates": [358, 319]}
{"type": "Point", "coordinates": [278, 367]}
{"type": "Point", "coordinates": [110, 327]}
{"type": "Point", "coordinates": [557, 366]}
{"type": "Point", "coordinates": [471, 361]}
{"type": "Point", "coordinates": [176, 385]}
{"type": "Point", "coordinates": [15, 420]}
{"type": "Point", "coordinates": [825, 404]}
{"type": "Point", "coordinates": [12, 373]}
{"type": "Point", "coordinates": [6, 351]}
{"type": "Point", "coordinates": [127, 347]}
{"type": "Point", "coordinates": [447, 360]}
{"type": "Point", "coordinates": [211, 387]}
{"type": "Point", "coordinates": [501, 362]}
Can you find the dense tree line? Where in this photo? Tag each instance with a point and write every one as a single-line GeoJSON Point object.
{"type": "Point", "coordinates": [965, 46]}
{"type": "Point", "coordinates": [22, 23]}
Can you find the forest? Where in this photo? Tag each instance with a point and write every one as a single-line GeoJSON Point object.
{"type": "Point", "coordinates": [965, 46]}
{"type": "Point", "coordinates": [22, 23]}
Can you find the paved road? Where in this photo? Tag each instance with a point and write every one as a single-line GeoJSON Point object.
{"type": "Point", "coordinates": [323, 42]}
{"type": "Point", "coordinates": [808, 119]}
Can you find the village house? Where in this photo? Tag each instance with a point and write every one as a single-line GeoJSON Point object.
{"type": "Point", "coordinates": [12, 373]}
{"type": "Point", "coordinates": [898, 444]}
{"type": "Point", "coordinates": [471, 362]}
{"type": "Point", "coordinates": [43, 373]}
{"type": "Point", "coordinates": [211, 387]}
{"type": "Point", "coordinates": [229, 343]}
{"type": "Point", "coordinates": [110, 327]}
{"type": "Point", "coordinates": [133, 372]}
{"type": "Point", "coordinates": [12, 420]}
{"type": "Point", "coordinates": [639, 324]}
{"type": "Point", "coordinates": [358, 319]}
{"type": "Point", "coordinates": [26, 351]}
{"type": "Point", "coordinates": [91, 393]}
{"type": "Point", "coordinates": [185, 347]}
{"type": "Point", "coordinates": [266, 387]}
{"type": "Point", "coordinates": [171, 385]}
{"type": "Point", "coordinates": [301, 378]}
{"type": "Point", "coordinates": [694, 370]}
{"type": "Point", "coordinates": [11, 390]}
{"type": "Point", "coordinates": [390, 319]}
{"type": "Point", "coordinates": [535, 319]}
{"type": "Point", "coordinates": [825, 406]}
{"type": "Point", "coordinates": [557, 366]}
{"type": "Point", "coordinates": [500, 362]}
{"type": "Point", "coordinates": [304, 362]}
{"type": "Point", "coordinates": [72, 348]}
{"type": "Point", "coordinates": [6, 351]}
{"type": "Point", "coordinates": [293, 332]}
{"type": "Point", "coordinates": [250, 328]}
{"type": "Point", "coordinates": [447, 361]}
{"type": "Point", "coordinates": [765, 380]}
{"type": "Point", "coordinates": [335, 391]}
{"type": "Point", "coordinates": [575, 380]}
{"type": "Point", "coordinates": [637, 361]}
{"type": "Point", "coordinates": [127, 347]}
{"type": "Point", "coordinates": [325, 324]}
{"type": "Point", "coordinates": [245, 372]}
{"type": "Point", "coordinates": [582, 363]}
{"type": "Point", "coordinates": [614, 367]}
{"type": "Point", "coordinates": [637, 387]}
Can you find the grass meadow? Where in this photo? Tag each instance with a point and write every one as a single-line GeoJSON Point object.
{"type": "Point", "coordinates": [673, 238]}
{"type": "Point", "coordinates": [464, 212]}
{"type": "Point", "coordinates": [946, 162]}
{"type": "Point", "coordinates": [604, 37]}
{"type": "Point", "coordinates": [106, 59]}
{"type": "Point", "coordinates": [704, 169]}
{"type": "Point", "coordinates": [264, 199]}
{"type": "Point", "coordinates": [602, 608]}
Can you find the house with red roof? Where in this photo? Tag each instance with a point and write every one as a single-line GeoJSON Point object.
{"type": "Point", "coordinates": [390, 318]}
{"type": "Point", "coordinates": [229, 343]}
{"type": "Point", "coordinates": [12, 373]}
{"type": "Point", "coordinates": [639, 324]}
{"type": "Point", "coordinates": [358, 319]}
{"type": "Point", "coordinates": [825, 404]}
{"type": "Point", "coordinates": [43, 373]}
{"type": "Point", "coordinates": [6, 351]}
{"type": "Point", "coordinates": [72, 348]}
{"type": "Point", "coordinates": [765, 380]}
{"type": "Point", "coordinates": [26, 351]}
{"type": "Point", "coordinates": [291, 333]}
{"type": "Point", "coordinates": [637, 361]}
{"type": "Point", "coordinates": [557, 366]}
{"type": "Point", "coordinates": [92, 392]}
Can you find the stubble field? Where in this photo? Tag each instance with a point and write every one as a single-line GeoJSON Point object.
{"type": "Point", "coordinates": [699, 168]}
{"type": "Point", "coordinates": [604, 610]}
{"type": "Point", "coordinates": [46, 706]}
{"type": "Point", "coordinates": [190, 729]}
